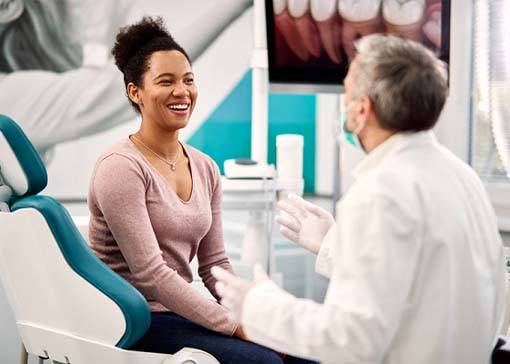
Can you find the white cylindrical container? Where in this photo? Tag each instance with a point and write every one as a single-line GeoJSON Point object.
{"type": "Point", "coordinates": [289, 156]}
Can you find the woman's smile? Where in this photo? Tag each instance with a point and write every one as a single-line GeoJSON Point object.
{"type": "Point", "coordinates": [179, 108]}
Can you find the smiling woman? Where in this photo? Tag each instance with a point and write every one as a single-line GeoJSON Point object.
{"type": "Point", "coordinates": [167, 92]}
{"type": "Point", "coordinates": [155, 204]}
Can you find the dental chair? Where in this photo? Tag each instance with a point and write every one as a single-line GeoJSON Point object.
{"type": "Point", "coordinates": [69, 307]}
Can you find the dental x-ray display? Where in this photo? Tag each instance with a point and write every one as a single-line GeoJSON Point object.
{"type": "Point", "coordinates": [311, 42]}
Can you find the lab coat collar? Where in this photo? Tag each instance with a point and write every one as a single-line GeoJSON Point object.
{"type": "Point", "coordinates": [396, 141]}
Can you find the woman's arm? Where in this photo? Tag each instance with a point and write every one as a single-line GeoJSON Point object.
{"type": "Point", "coordinates": [119, 188]}
{"type": "Point", "coordinates": [211, 251]}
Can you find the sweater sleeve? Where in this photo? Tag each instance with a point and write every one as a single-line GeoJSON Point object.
{"type": "Point", "coordinates": [211, 251]}
{"type": "Point", "coordinates": [119, 187]}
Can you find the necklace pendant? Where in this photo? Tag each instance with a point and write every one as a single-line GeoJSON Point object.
{"type": "Point", "coordinates": [172, 166]}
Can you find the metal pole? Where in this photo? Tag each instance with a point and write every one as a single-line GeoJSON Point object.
{"type": "Point", "coordinates": [260, 86]}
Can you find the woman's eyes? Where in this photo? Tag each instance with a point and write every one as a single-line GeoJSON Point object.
{"type": "Point", "coordinates": [187, 81]}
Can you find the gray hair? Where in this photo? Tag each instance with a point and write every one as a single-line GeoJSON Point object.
{"type": "Point", "coordinates": [405, 81]}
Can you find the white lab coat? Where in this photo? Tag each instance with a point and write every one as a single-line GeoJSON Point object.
{"type": "Point", "coordinates": [415, 265]}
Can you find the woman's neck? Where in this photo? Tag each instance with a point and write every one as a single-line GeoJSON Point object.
{"type": "Point", "coordinates": [163, 142]}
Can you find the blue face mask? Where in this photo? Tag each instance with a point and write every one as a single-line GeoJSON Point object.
{"type": "Point", "coordinates": [351, 138]}
{"type": "Point", "coordinates": [348, 136]}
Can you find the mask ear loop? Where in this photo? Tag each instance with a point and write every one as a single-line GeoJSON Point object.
{"type": "Point", "coordinates": [359, 128]}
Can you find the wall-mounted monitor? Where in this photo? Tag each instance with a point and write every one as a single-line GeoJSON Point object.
{"type": "Point", "coordinates": [311, 42]}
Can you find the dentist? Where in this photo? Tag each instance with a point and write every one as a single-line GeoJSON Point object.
{"type": "Point", "coordinates": [415, 259]}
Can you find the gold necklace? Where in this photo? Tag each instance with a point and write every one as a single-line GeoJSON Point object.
{"type": "Point", "coordinates": [171, 164]}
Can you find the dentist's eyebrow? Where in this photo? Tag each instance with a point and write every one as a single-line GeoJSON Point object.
{"type": "Point", "coordinates": [171, 75]}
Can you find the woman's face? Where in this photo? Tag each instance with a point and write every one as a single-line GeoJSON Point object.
{"type": "Point", "coordinates": [168, 93]}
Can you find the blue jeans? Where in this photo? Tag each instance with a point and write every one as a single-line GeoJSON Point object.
{"type": "Point", "coordinates": [168, 333]}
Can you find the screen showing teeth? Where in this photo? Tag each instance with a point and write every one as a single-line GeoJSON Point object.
{"type": "Point", "coordinates": [312, 41]}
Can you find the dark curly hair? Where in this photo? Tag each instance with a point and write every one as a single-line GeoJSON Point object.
{"type": "Point", "coordinates": [135, 44]}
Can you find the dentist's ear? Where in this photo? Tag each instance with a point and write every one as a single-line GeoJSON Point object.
{"type": "Point", "coordinates": [364, 104]}
{"type": "Point", "coordinates": [366, 108]}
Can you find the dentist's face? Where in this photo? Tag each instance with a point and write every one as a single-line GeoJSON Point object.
{"type": "Point", "coordinates": [350, 102]}
{"type": "Point", "coordinates": [168, 94]}
{"type": "Point", "coordinates": [10, 10]}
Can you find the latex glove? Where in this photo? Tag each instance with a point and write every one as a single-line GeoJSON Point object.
{"type": "Point", "coordinates": [233, 290]}
{"type": "Point", "coordinates": [307, 224]}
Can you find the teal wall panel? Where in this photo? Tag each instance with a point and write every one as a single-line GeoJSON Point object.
{"type": "Point", "coordinates": [226, 133]}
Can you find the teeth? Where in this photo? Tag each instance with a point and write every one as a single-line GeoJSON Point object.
{"type": "Point", "coordinates": [361, 17]}
{"type": "Point", "coordinates": [322, 9]}
{"type": "Point", "coordinates": [400, 12]}
{"type": "Point", "coordinates": [432, 28]}
{"type": "Point", "coordinates": [298, 8]}
{"type": "Point", "coordinates": [359, 10]}
{"type": "Point", "coordinates": [279, 6]}
{"type": "Point", "coordinates": [286, 25]}
{"type": "Point", "coordinates": [179, 107]}
{"type": "Point", "coordinates": [309, 34]}
{"type": "Point", "coordinates": [328, 24]}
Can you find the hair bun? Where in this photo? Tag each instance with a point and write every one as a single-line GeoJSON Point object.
{"type": "Point", "coordinates": [132, 38]}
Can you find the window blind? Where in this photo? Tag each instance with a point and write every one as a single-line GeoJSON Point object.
{"type": "Point", "coordinates": [491, 87]}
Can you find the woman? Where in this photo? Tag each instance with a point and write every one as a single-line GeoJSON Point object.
{"type": "Point", "coordinates": [155, 204]}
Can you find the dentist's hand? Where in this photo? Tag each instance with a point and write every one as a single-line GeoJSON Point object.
{"type": "Point", "coordinates": [233, 290]}
{"type": "Point", "coordinates": [307, 224]}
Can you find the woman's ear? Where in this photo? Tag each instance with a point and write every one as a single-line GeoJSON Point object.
{"type": "Point", "coordinates": [134, 94]}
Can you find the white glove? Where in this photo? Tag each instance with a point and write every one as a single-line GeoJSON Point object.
{"type": "Point", "coordinates": [307, 224]}
{"type": "Point", "coordinates": [233, 290]}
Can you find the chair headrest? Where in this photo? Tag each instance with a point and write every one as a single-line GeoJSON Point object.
{"type": "Point", "coordinates": [21, 167]}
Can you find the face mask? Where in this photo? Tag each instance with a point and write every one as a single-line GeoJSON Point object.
{"type": "Point", "coordinates": [351, 138]}
{"type": "Point", "coordinates": [10, 10]}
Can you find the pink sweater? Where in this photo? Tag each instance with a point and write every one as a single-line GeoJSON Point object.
{"type": "Point", "coordinates": [142, 229]}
